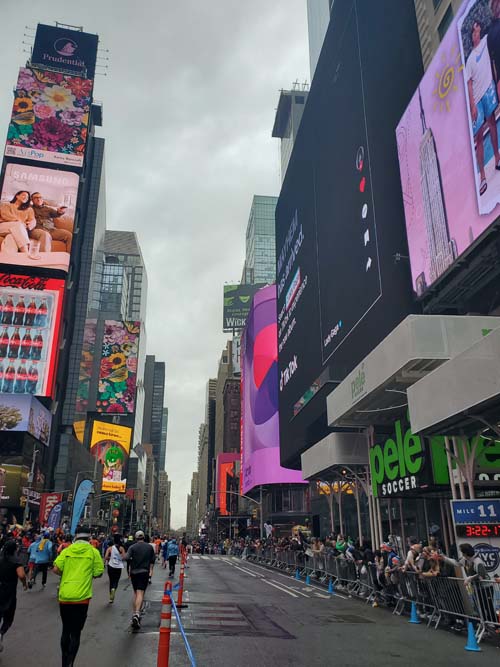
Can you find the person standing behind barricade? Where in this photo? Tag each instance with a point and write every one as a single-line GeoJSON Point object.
{"type": "Point", "coordinates": [172, 554]}
{"type": "Point", "coordinates": [413, 555]}
{"type": "Point", "coordinates": [77, 565]}
{"type": "Point", "coordinates": [141, 559]}
{"type": "Point", "coordinates": [114, 558]}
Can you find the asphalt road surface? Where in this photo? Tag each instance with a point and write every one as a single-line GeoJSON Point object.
{"type": "Point", "coordinates": [239, 614]}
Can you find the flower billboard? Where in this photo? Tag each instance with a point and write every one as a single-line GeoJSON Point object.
{"type": "Point", "coordinates": [50, 117]}
{"type": "Point", "coordinates": [118, 367]}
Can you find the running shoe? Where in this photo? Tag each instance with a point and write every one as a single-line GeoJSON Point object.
{"type": "Point", "coordinates": [136, 622]}
{"type": "Point", "coordinates": [112, 595]}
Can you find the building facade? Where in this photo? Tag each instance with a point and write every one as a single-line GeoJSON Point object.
{"type": "Point", "coordinates": [287, 121]}
{"type": "Point", "coordinates": [318, 18]}
{"type": "Point", "coordinates": [260, 242]}
{"type": "Point", "coordinates": [433, 20]}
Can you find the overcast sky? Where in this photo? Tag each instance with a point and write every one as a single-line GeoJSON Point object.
{"type": "Point", "coordinates": [189, 98]}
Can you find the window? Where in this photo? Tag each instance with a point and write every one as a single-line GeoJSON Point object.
{"type": "Point", "coordinates": [436, 4]}
{"type": "Point", "coordinates": [445, 23]}
{"type": "Point", "coordinates": [299, 99]}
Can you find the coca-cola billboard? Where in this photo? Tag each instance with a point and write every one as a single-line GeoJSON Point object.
{"type": "Point", "coordinates": [30, 322]}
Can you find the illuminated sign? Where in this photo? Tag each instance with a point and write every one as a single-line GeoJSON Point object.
{"type": "Point", "coordinates": [110, 443]}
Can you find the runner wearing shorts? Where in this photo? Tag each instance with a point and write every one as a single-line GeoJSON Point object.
{"type": "Point", "coordinates": [140, 559]}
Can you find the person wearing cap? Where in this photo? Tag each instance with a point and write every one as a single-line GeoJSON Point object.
{"type": "Point", "coordinates": [42, 553]}
{"type": "Point", "coordinates": [140, 558]}
{"type": "Point", "coordinates": [77, 565]}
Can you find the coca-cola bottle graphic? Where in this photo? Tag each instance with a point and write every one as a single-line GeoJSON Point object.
{"type": "Point", "coordinates": [36, 347]}
{"type": "Point", "coordinates": [29, 318]}
{"type": "Point", "coordinates": [19, 312]}
{"type": "Point", "coordinates": [8, 310]}
{"type": "Point", "coordinates": [8, 378]}
{"type": "Point", "coordinates": [21, 378]}
{"type": "Point", "coordinates": [32, 380]}
{"type": "Point", "coordinates": [42, 315]}
{"type": "Point", "coordinates": [26, 342]}
{"type": "Point", "coordinates": [14, 344]}
{"type": "Point", "coordinates": [4, 342]}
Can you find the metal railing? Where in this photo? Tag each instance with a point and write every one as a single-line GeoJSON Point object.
{"type": "Point", "coordinates": [439, 600]}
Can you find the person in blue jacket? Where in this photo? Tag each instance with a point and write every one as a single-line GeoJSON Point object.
{"type": "Point", "coordinates": [172, 553]}
{"type": "Point", "coordinates": [41, 552]}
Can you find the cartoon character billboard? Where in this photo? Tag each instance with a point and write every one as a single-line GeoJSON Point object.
{"type": "Point", "coordinates": [110, 443]}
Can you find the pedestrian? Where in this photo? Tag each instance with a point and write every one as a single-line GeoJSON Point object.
{"type": "Point", "coordinates": [11, 569]}
{"type": "Point", "coordinates": [114, 558]}
{"type": "Point", "coordinates": [78, 565]}
{"type": "Point", "coordinates": [141, 559]}
{"type": "Point", "coordinates": [172, 553]}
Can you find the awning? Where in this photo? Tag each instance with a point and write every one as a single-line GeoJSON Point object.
{"type": "Point", "coordinates": [463, 396]}
{"type": "Point", "coordinates": [374, 393]}
{"type": "Point", "coordinates": [337, 449]}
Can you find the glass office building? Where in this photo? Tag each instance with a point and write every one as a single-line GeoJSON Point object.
{"type": "Point", "coordinates": [260, 256]}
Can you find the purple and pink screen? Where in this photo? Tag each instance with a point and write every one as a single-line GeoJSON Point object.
{"type": "Point", "coordinates": [447, 203]}
{"type": "Point", "coordinates": [260, 445]}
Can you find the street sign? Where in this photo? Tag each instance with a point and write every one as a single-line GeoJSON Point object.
{"type": "Point", "coordinates": [478, 522]}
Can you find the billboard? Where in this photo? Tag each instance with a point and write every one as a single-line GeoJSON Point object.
{"type": "Point", "coordinates": [339, 217]}
{"type": "Point", "coordinates": [227, 480]}
{"type": "Point", "coordinates": [118, 368]}
{"type": "Point", "coordinates": [260, 439]}
{"type": "Point", "coordinates": [86, 365]}
{"type": "Point", "coordinates": [237, 300]}
{"type": "Point", "coordinates": [30, 322]}
{"type": "Point", "coordinates": [448, 146]}
{"type": "Point", "coordinates": [50, 117]}
{"type": "Point", "coordinates": [13, 479]}
{"type": "Point", "coordinates": [65, 49]}
{"type": "Point", "coordinates": [51, 198]}
{"type": "Point", "coordinates": [24, 413]}
{"type": "Point", "coordinates": [110, 443]}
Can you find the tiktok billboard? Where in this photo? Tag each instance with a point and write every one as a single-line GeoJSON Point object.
{"type": "Point", "coordinates": [30, 322]}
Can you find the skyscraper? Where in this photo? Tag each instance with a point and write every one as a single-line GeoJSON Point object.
{"type": "Point", "coordinates": [163, 445]}
{"type": "Point", "coordinates": [433, 20]}
{"type": "Point", "coordinates": [260, 255]}
{"type": "Point", "coordinates": [291, 105]}
{"type": "Point", "coordinates": [154, 392]}
{"type": "Point", "coordinates": [318, 18]}
{"type": "Point", "coordinates": [441, 248]}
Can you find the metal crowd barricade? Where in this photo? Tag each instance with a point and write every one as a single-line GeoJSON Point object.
{"type": "Point", "coordinates": [413, 587]}
{"type": "Point", "coordinates": [487, 601]}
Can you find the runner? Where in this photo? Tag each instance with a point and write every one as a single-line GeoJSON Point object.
{"type": "Point", "coordinates": [172, 553]}
{"type": "Point", "coordinates": [11, 569]}
{"type": "Point", "coordinates": [77, 565]}
{"type": "Point", "coordinates": [141, 559]}
{"type": "Point", "coordinates": [114, 558]}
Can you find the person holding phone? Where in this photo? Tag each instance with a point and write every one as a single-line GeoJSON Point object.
{"type": "Point", "coordinates": [44, 216]}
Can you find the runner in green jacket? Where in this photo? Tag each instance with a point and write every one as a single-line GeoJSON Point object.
{"type": "Point", "coordinates": [78, 564]}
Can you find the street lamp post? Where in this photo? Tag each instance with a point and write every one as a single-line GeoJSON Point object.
{"type": "Point", "coordinates": [30, 483]}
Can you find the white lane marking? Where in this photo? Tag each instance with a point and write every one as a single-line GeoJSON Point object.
{"type": "Point", "coordinates": [279, 588]}
{"type": "Point", "coordinates": [251, 574]}
{"type": "Point", "coordinates": [295, 590]}
{"type": "Point", "coordinates": [322, 595]}
{"type": "Point", "coordinates": [287, 576]}
{"type": "Point", "coordinates": [196, 558]}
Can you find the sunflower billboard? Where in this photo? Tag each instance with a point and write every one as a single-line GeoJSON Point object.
{"type": "Point", "coordinates": [110, 444]}
{"type": "Point", "coordinates": [50, 117]}
{"type": "Point", "coordinates": [118, 367]}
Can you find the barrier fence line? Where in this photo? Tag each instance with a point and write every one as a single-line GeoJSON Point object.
{"type": "Point", "coordinates": [183, 633]}
{"type": "Point", "coordinates": [437, 599]}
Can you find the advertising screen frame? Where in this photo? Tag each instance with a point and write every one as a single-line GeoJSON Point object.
{"type": "Point", "coordinates": [51, 49]}
{"type": "Point", "coordinates": [34, 287]}
{"type": "Point", "coordinates": [105, 436]}
{"type": "Point", "coordinates": [237, 301]}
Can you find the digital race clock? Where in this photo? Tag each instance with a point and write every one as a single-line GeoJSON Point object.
{"type": "Point", "coordinates": [478, 530]}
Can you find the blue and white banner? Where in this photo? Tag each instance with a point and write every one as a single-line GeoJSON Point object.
{"type": "Point", "coordinates": [483, 511]}
{"type": "Point", "coordinates": [81, 495]}
{"type": "Point", "coordinates": [54, 518]}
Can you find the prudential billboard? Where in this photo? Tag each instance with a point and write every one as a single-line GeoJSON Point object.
{"type": "Point", "coordinates": [448, 145]}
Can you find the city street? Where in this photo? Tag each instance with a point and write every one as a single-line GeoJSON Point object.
{"type": "Point", "coordinates": [238, 614]}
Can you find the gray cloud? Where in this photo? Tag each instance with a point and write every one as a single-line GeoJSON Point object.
{"type": "Point", "coordinates": [189, 101]}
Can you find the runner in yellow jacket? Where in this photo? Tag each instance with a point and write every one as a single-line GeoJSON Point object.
{"type": "Point", "coordinates": [78, 565]}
